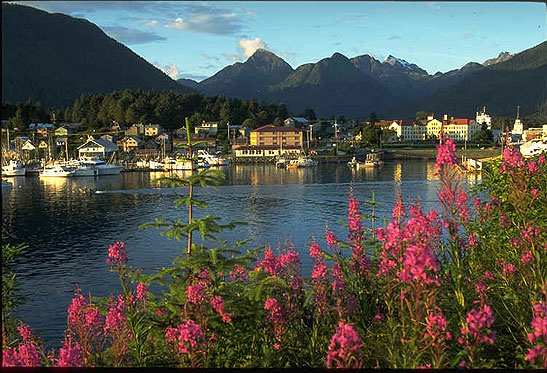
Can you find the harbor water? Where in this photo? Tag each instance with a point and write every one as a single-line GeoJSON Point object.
{"type": "Point", "coordinates": [68, 232]}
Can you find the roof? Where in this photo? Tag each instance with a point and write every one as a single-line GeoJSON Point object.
{"type": "Point", "coordinates": [108, 146]}
{"type": "Point", "coordinates": [459, 121]}
{"type": "Point", "coordinates": [299, 119]}
{"type": "Point", "coordinates": [133, 137]}
{"type": "Point", "coordinates": [405, 122]}
{"type": "Point", "coordinates": [152, 126]}
{"type": "Point", "coordinates": [266, 147]}
{"type": "Point", "coordinates": [272, 128]}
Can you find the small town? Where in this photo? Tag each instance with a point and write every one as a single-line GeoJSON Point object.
{"type": "Point", "coordinates": [274, 185]}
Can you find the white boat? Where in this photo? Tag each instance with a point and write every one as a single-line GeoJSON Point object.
{"type": "Point", "coordinates": [102, 167]}
{"type": "Point", "coordinates": [56, 170]}
{"type": "Point", "coordinates": [6, 185]}
{"type": "Point", "coordinates": [305, 161]}
{"type": "Point", "coordinates": [156, 166]}
{"type": "Point", "coordinates": [373, 160]}
{"type": "Point", "coordinates": [354, 163]}
{"type": "Point", "coordinates": [79, 168]}
{"type": "Point", "coordinates": [213, 160]}
{"type": "Point", "coordinates": [533, 147]}
{"type": "Point", "coordinates": [177, 164]}
{"type": "Point", "coordinates": [13, 168]}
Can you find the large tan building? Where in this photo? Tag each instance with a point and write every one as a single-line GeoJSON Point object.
{"type": "Point", "coordinates": [277, 136]}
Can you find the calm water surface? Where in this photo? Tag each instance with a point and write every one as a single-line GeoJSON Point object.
{"type": "Point", "coordinates": [69, 232]}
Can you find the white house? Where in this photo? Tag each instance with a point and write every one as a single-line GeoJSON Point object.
{"type": "Point", "coordinates": [97, 148]}
{"type": "Point", "coordinates": [292, 121]}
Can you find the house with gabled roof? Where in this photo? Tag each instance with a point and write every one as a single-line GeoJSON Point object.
{"type": "Point", "coordinates": [97, 148]}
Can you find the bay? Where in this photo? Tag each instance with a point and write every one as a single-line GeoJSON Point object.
{"type": "Point", "coordinates": [68, 232]}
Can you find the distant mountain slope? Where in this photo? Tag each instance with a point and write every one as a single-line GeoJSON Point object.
{"type": "Point", "coordinates": [332, 86]}
{"type": "Point", "coordinates": [503, 56]}
{"type": "Point", "coordinates": [188, 83]}
{"type": "Point", "coordinates": [521, 80]}
{"type": "Point", "coordinates": [249, 79]}
{"type": "Point", "coordinates": [53, 58]}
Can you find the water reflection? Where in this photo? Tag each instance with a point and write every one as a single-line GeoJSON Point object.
{"type": "Point", "coordinates": [69, 232]}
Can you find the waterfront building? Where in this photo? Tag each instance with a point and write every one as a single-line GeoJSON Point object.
{"type": "Point", "coordinates": [96, 148]}
{"type": "Point", "coordinates": [129, 143]}
{"type": "Point", "coordinates": [250, 151]}
{"type": "Point", "coordinates": [277, 136]}
{"type": "Point", "coordinates": [482, 117]}
{"type": "Point", "coordinates": [461, 129]}
{"type": "Point", "coordinates": [206, 129]}
{"type": "Point", "coordinates": [533, 133]}
{"type": "Point", "coordinates": [409, 130]}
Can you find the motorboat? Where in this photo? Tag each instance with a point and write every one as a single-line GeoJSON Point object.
{"type": "Point", "coordinates": [156, 165]}
{"type": "Point", "coordinates": [212, 160]}
{"type": "Point", "coordinates": [176, 164]}
{"type": "Point", "coordinates": [305, 161]}
{"type": "Point", "coordinates": [102, 167]}
{"type": "Point", "coordinates": [373, 160]}
{"type": "Point", "coordinates": [56, 170]}
{"type": "Point", "coordinates": [13, 168]}
{"type": "Point", "coordinates": [354, 163]}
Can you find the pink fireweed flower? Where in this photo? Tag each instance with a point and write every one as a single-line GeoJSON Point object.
{"type": "Point", "coordinates": [70, 355]}
{"type": "Point", "coordinates": [25, 332]}
{"type": "Point", "coordinates": [527, 256]}
{"type": "Point", "coordinates": [345, 348]}
{"type": "Point", "coordinates": [472, 241]}
{"type": "Point", "coordinates": [533, 353]}
{"type": "Point", "coordinates": [508, 268]}
{"type": "Point", "coordinates": [378, 318]}
{"type": "Point", "coordinates": [436, 331]}
{"type": "Point", "coordinates": [319, 271]}
{"type": "Point", "coordinates": [532, 167]}
{"type": "Point", "coordinates": [195, 293]}
{"type": "Point", "coordinates": [539, 322]}
{"type": "Point", "coordinates": [541, 160]}
{"type": "Point", "coordinates": [355, 233]}
{"type": "Point", "coordinates": [142, 290]}
{"type": "Point", "coordinates": [511, 159]}
{"type": "Point", "coordinates": [488, 275]}
{"type": "Point", "coordinates": [239, 274]}
{"type": "Point", "coordinates": [76, 310]}
{"type": "Point", "coordinates": [277, 346]}
{"type": "Point", "coordinates": [534, 193]}
{"type": "Point", "coordinates": [115, 320]}
{"type": "Point", "coordinates": [117, 255]}
{"type": "Point", "coordinates": [478, 324]}
{"type": "Point", "coordinates": [93, 319]}
{"type": "Point", "coordinates": [218, 305]}
{"type": "Point", "coordinates": [504, 221]}
{"type": "Point", "coordinates": [331, 239]}
{"type": "Point", "coordinates": [25, 355]}
{"type": "Point", "coordinates": [187, 337]}
{"type": "Point", "coordinates": [275, 315]}
{"type": "Point", "coordinates": [446, 153]}
{"type": "Point", "coordinates": [399, 211]}
{"type": "Point", "coordinates": [270, 263]}
{"type": "Point", "coordinates": [315, 251]}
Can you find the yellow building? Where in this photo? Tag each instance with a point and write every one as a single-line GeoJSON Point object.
{"type": "Point", "coordinates": [277, 136]}
{"type": "Point", "coordinates": [129, 143]}
{"type": "Point", "coordinates": [152, 130]}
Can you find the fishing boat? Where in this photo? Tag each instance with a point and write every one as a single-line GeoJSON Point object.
{"type": "Point", "coordinates": [373, 160]}
{"type": "Point", "coordinates": [354, 163]}
{"type": "Point", "coordinates": [56, 170]}
{"type": "Point", "coordinates": [305, 161]}
{"type": "Point", "coordinates": [13, 168]}
{"type": "Point", "coordinates": [293, 163]}
{"type": "Point", "coordinates": [212, 160]}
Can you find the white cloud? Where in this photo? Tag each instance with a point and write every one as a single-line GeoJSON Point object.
{"type": "Point", "coordinates": [170, 70]}
{"type": "Point", "coordinates": [206, 23]}
{"type": "Point", "coordinates": [153, 23]}
{"type": "Point", "coordinates": [249, 46]}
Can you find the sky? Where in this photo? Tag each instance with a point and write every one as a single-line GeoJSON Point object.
{"type": "Point", "coordinates": [197, 39]}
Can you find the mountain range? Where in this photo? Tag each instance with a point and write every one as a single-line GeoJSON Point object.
{"type": "Point", "coordinates": [53, 58]}
{"type": "Point", "coordinates": [356, 86]}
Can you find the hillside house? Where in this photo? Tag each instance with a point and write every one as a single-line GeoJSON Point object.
{"type": "Point", "coordinates": [277, 136]}
{"type": "Point", "coordinates": [129, 143]}
{"type": "Point", "coordinates": [63, 131]}
{"type": "Point", "coordinates": [108, 137]}
{"type": "Point", "coordinates": [97, 148]}
{"type": "Point", "coordinates": [152, 130]}
{"type": "Point", "coordinates": [117, 127]}
{"type": "Point", "coordinates": [135, 130]}
{"type": "Point", "coordinates": [296, 121]}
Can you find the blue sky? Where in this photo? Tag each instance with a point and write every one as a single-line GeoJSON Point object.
{"type": "Point", "coordinates": [197, 39]}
